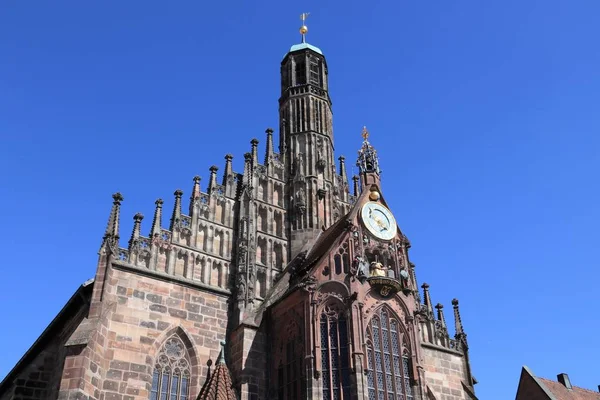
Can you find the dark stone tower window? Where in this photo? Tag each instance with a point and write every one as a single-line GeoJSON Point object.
{"type": "Point", "coordinates": [315, 73]}
{"type": "Point", "coordinates": [285, 77]}
{"type": "Point", "coordinates": [388, 377]}
{"type": "Point", "coordinates": [300, 71]}
{"type": "Point", "coordinates": [334, 355]}
{"type": "Point", "coordinates": [171, 377]}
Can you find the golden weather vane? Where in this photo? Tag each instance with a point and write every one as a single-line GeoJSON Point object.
{"type": "Point", "coordinates": [304, 28]}
{"type": "Point", "coordinates": [365, 133]}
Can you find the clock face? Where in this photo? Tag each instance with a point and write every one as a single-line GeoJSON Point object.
{"type": "Point", "coordinates": [379, 221]}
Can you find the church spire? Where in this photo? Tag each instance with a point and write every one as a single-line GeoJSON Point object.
{"type": "Point", "coordinates": [367, 162]}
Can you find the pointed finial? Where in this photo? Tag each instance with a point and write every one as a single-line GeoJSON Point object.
{"type": "Point", "coordinates": [196, 190]}
{"type": "Point", "coordinates": [254, 143]}
{"type": "Point", "coordinates": [304, 28]}
{"type": "Point", "coordinates": [342, 160]}
{"type": "Point", "coordinates": [176, 209]}
{"type": "Point", "coordinates": [111, 234]}
{"type": "Point", "coordinates": [365, 133]}
{"type": "Point", "coordinates": [195, 194]}
{"type": "Point", "coordinates": [228, 168]}
{"type": "Point", "coordinates": [156, 223]}
{"type": "Point", "coordinates": [213, 178]}
{"type": "Point", "coordinates": [221, 359]}
{"type": "Point", "coordinates": [269, 150]}
{"type": "Point", "coordinates": [457, 320]}
{"type": "Point", "coordinates": [440, 314]}
{"type": "Point", "coordinates": [427, 298]}
{"type": "Point", "coordinates": [356, 190]}
{"type": "Point", "coordinates": [137, 222]}
{"type": "Point", "coordinates": [112, 228]}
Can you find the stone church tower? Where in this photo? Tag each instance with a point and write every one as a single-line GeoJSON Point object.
{"type": "Point", "coordinates": [278, 283]}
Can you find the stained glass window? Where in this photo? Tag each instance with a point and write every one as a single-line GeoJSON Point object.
{"type": "Point", "coordinates": [388, 359]}
{"type": "Point", "coordinates": [335, 359]}
{"type": "Point", "coordinates": [171, 377]}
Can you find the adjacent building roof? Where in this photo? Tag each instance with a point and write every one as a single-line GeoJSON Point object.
{"type": "Point", "coordinates": [560, 392]}
{"type": "Point", "coordinates": [80, 300]}
{"type": "Point", "coordinates": [532, 387]}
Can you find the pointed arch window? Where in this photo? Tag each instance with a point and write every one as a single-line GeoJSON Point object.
{"type": "Point", "coordinates": [171, 377]}
{"type": "Point", "coordinates": [335, 359]}
{"type": "Point", "coordinates": [388, 356]}
{"type": "Point", "coordinates": [291, 384]}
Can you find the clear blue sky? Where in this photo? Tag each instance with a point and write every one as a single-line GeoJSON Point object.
{"type": "Point", "coordinates": [485, 114]}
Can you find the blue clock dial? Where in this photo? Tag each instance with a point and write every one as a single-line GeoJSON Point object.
{"type": "Point", "coordinates": [379, 221]}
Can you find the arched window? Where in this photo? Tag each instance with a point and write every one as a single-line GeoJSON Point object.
{"type": "Point", "coordinates": [342, 259]}
{"type": "Point", "coordinates": [171, 377]}
{"type": "Point", "coordinates": [289, 371]}
{"type": "Point", "coordinates": [388, 356]}
{"type": "Point", "coordinates": [335, 357]}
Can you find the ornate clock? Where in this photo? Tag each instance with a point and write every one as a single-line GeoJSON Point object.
{"type": "Point", "coordinates": [379, 221]}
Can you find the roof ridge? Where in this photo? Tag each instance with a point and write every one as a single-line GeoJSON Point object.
{"type": "Point", "coordinates": [573, 386]}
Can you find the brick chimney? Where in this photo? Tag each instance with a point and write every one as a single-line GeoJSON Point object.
{"type": "Point", "coordinates": [564, 379]}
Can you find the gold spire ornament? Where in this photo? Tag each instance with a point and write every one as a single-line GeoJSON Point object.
{"type": "Point", "coordinates": [365, 133]}
{"type": "Point", "coordinates": [304, 28]}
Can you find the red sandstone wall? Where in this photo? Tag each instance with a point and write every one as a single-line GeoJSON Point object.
{"type": "Point", "coordinates": [146, 312]}
{"type": "Point", "coordinates": [444, 373]}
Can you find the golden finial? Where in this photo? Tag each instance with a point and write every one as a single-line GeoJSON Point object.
{"type": "Point", "coordinates": [365, 133]}
{"type": "Point", "coordinates": [303, 28]}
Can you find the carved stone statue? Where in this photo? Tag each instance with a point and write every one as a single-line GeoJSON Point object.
{"type": "Point", "coordinates": [361, 267]}
{"type": "Point", "coordinates": [242, 251]}
{"type": "Point", "coordinates": [404, 277]}
{"type": "Point", "coordinates": [377, 269]}
{"type": "Point", "coordinates": [241, 288]}
{"type": "Point", "coordinates": [299, 165]}
{"type": "Point", "coordinates": [300, 197]}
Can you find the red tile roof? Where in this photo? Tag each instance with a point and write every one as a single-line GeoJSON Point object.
{"type": "Point", "coordinates": [562, 393]}
{"type": "Point", "coordinates": [218, 385]}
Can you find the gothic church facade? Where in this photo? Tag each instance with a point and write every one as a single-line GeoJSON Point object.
{"type": "Point", "coordinates": [280, 282]}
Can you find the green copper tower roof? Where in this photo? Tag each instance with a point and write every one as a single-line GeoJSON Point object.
{"type": "Point", "coordinates": [303, 46]}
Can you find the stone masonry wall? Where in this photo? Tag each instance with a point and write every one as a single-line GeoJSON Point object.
{"type": "Point", "coordinates": [444, 372]}
{"type": "Point", "coordinates": [249, 362]}
{"type": "Point", "coordinates": [35, 382]}
{"type": "Point", "coordinates": [147, 312]}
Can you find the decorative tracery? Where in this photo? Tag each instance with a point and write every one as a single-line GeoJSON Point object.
{"type": "Point", "coordinates": [335, 357]}
{"type": "Point", "coordinates": [342, 260]}
{"type": "Point", "coordinates": [388, 357]}
{"type": "Point", "coordinates": [171, 377]}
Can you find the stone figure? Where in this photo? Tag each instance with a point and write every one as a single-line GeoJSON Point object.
{"type": "Point", "coordinates": [377, 269]}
